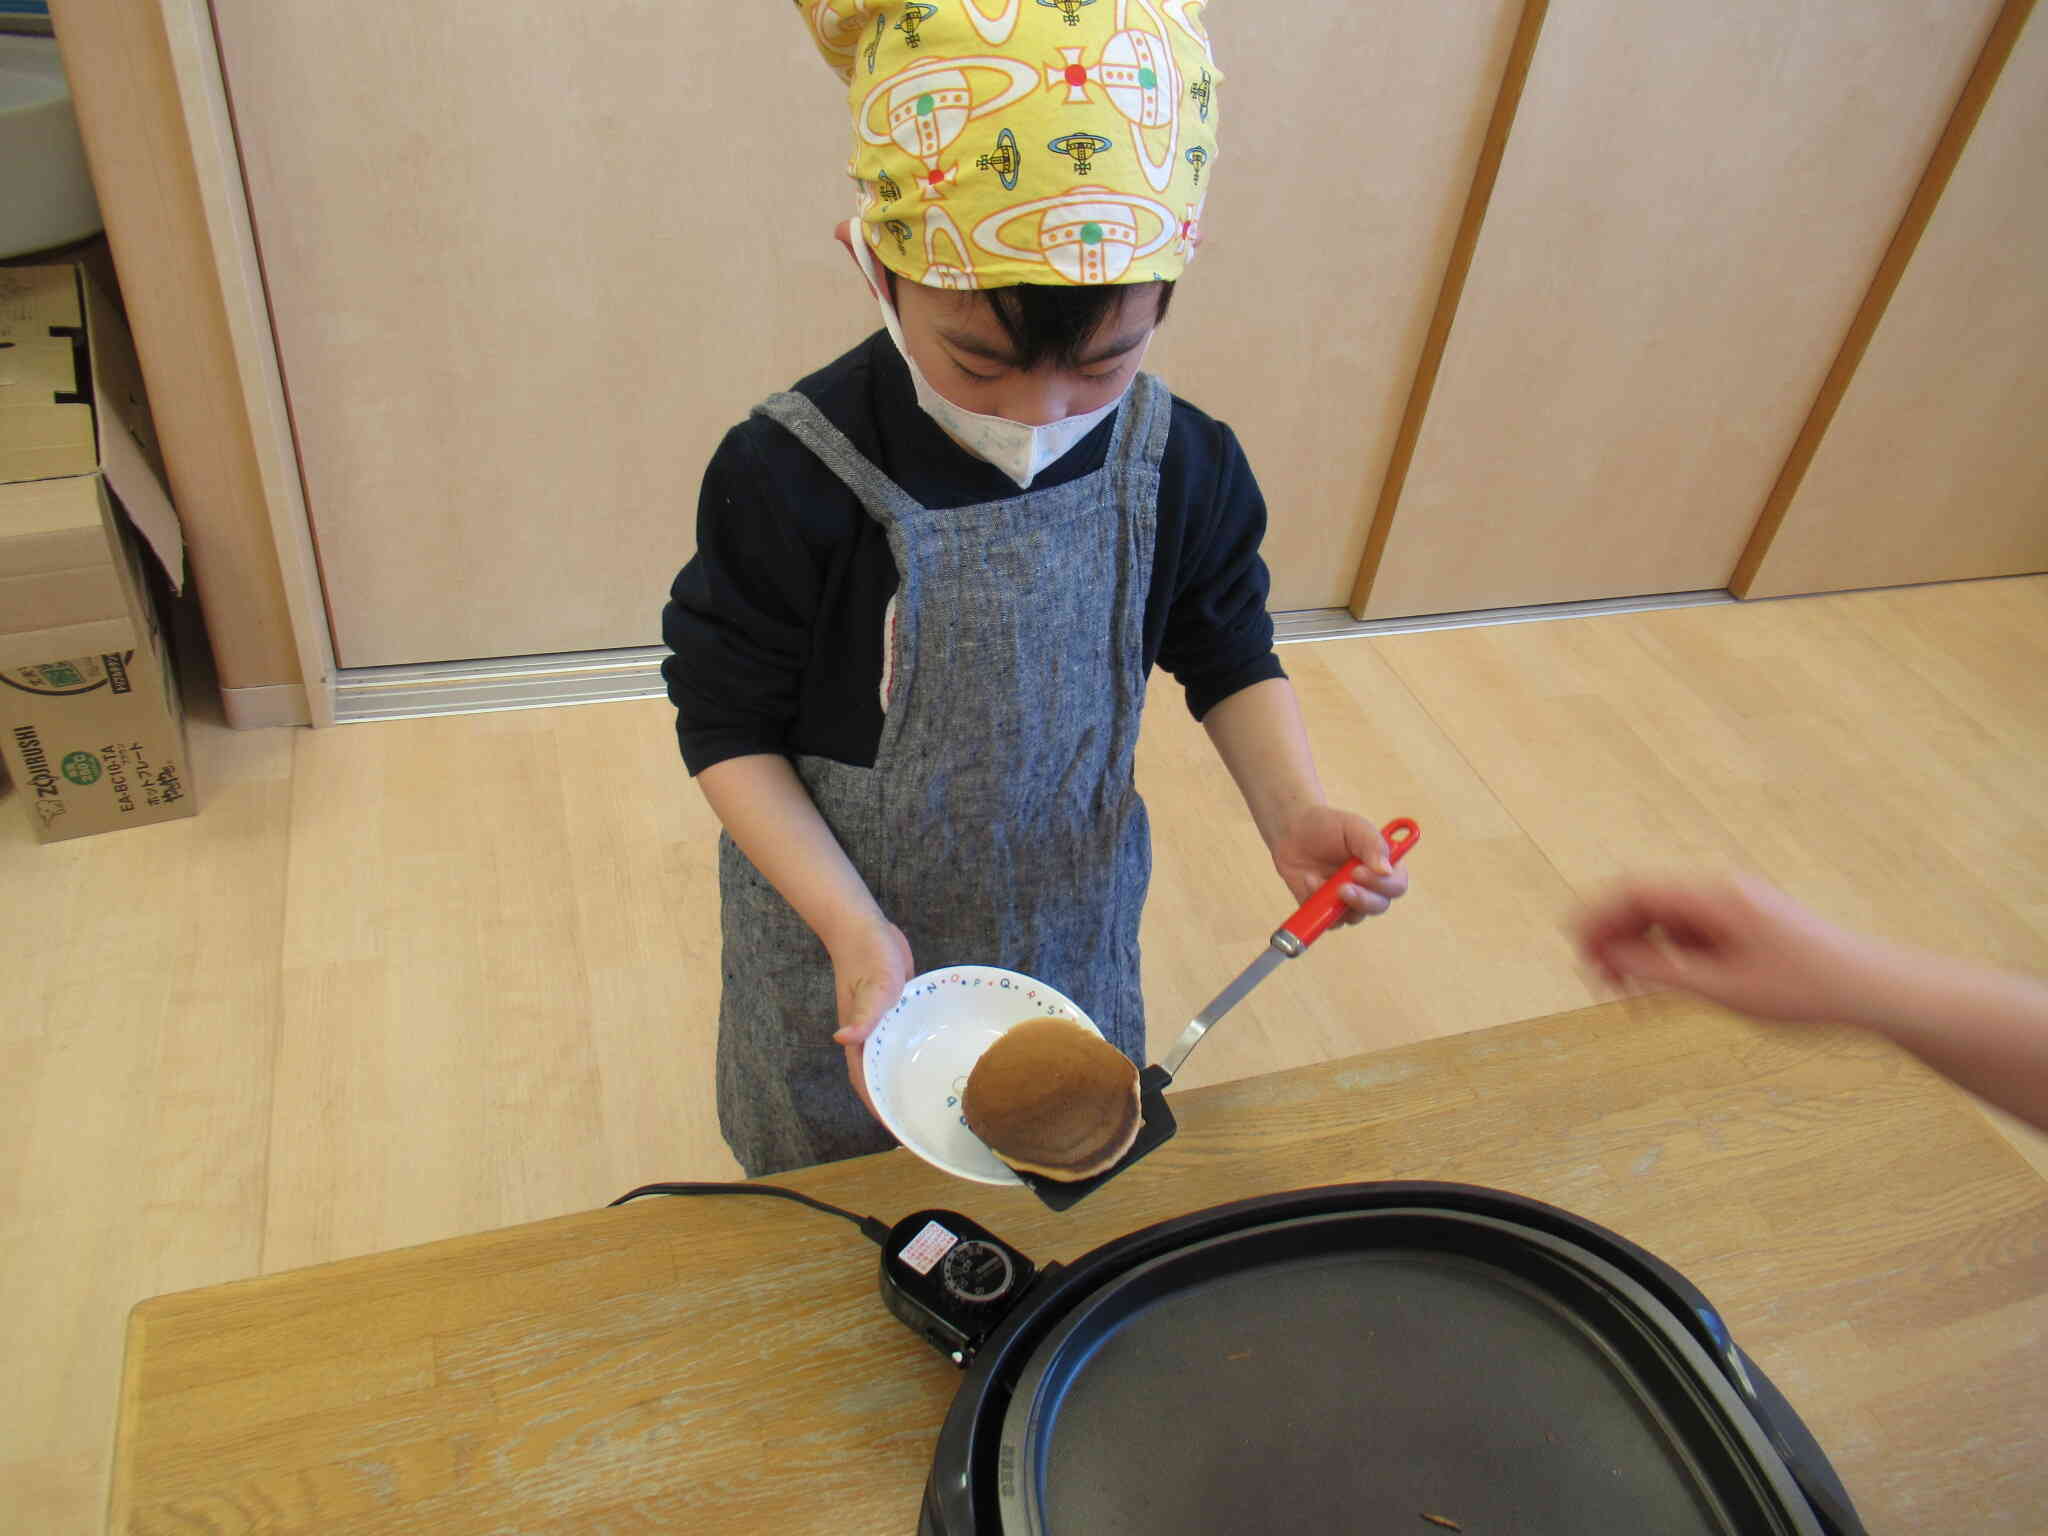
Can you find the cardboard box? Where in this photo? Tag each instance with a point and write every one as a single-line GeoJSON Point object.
{"type": "Point", "coordinates": [90, 725]}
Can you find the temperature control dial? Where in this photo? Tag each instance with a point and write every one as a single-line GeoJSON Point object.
{"type": "Point", "coordinates": [978, 1271]}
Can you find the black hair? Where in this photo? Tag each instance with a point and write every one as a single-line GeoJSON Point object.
{"type": "Point", "coordinates": [1049, 324]}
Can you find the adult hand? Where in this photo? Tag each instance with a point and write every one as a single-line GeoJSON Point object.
{"type": "Point", "coordinates": [1737, 942]}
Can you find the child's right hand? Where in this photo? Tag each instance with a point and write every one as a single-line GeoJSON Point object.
{"type": "Point", "coordinates": [1738, 942]}
{"type": "Point", "coordinates": [871, 965]}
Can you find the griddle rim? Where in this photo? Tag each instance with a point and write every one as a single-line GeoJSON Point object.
{"type": "Point", "coordinates": [960, 1494]}
{"type": "Point", "coordinates": [1719, 1446]}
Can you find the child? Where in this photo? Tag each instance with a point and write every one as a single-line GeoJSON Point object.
{"type": "Point", "coordinates": [911, 651]}
{"type": "Point", "coordinates": [1752, 948]}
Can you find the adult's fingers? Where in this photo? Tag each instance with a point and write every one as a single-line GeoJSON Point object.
{"type": "Point", "coordinates": [1692, 915]}
{"type": "Point", "coordinates": [1643, 960]}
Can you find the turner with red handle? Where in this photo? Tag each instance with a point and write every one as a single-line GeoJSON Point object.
{"type": "Point", "coordinates": [1310, 922]}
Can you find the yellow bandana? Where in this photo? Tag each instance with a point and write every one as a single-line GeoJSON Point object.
{"type": "Point", "coordinates": [1026, 141]}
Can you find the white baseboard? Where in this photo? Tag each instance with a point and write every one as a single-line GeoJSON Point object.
{"type": "Point", "coordinates": [252, 709]}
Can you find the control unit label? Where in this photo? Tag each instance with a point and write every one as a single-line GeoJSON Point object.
{"type": "Point", "coordinates": [927, 1248]}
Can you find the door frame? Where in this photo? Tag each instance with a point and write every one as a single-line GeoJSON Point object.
{"type": "Point", "coordinates": [216, 161]}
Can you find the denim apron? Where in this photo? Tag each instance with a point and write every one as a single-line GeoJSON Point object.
{"type": "Point", "coordinates": [1000, 823]}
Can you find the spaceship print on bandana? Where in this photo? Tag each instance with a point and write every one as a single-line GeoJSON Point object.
{"type": "Point", "coordinates": [1081, 148]}
{"type": "Point", "coordinates": [1025, 141]}
{"type": "Point", "coordinates": [947, 263]}
{"type": "Point", "coordinates": [1190, 234]}
{"type": "Point", "coordinates": [925, 108]}
{"type": "Point", "coordinates": [1086, 237]}
{"type": "Point", "coordinates": [1182, 14]}
{"type": "Point", "coordinates": [838, 31]}
{"type": "Point", "coordinates": [1136, 72]}
{"type": "Point", "coordinates": [915, 15]}
{"type": "Point", "coordinates": [873, 227]}
{"type": "Point", "coordinates": [1006, 160]}
{"type": "Point", "coordinates": [996, 29]}
{"type": "Point", "coordinates": [837, 26]}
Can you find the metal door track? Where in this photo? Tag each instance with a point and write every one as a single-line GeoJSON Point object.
{"type": "Point", "coordinates": [595, 677]}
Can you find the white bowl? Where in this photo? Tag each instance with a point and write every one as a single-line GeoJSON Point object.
{"type": "Point", "coordinates": [46, 196]}
{"type": "Point", "coordinates": [918, 1058]}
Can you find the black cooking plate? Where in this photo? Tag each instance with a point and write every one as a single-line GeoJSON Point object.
{"type": "Point", "coordinates": [1366, 1358]}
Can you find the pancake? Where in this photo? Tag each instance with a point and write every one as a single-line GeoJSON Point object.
{"type": "Point", "coordinates": [1054, 1099]}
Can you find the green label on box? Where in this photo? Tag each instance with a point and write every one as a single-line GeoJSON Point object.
{"type": "Point", "coordinates": [81, 768]}
{"type": "Point", "coordinates": [60, 677]}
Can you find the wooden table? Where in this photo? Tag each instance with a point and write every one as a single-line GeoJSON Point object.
{"type": "Point", "coordinates": [726, 1365]}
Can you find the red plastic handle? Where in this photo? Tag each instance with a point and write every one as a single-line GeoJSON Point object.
{"type": "Point", "coordinates": [1315, 915]}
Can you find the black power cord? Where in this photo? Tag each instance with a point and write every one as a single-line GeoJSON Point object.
{"type": "Point", "coordinates": [875, 1231]}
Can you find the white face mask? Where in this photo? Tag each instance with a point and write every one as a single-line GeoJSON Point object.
{"type": "Point", "coordinates": [1017, 449]}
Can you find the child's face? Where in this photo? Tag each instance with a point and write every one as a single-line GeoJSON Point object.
{"type": "Point", "coordinates": [960, 348]}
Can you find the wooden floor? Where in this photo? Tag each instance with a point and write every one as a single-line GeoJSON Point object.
{"type": "Point", "coordinates": [409, 980]}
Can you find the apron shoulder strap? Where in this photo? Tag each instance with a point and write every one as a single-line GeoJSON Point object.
{"type": "Point", "coordinates": [1142, 425]}
{"type": "Point", "coordinates": [1139, 443]}
{"type": "Point", "coordinates": [884, 499]}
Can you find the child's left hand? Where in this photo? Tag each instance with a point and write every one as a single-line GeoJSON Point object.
{"type": "Point", "coordinates": [1318, 840]}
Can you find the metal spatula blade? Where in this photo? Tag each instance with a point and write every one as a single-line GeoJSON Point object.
{"type": "Point", "coordinates": [1310, 922]}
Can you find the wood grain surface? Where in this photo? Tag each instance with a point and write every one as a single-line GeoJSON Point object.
{"type": "Point", "coordinates": [1688, 214]}
{"type": "Point", "coordinates": [1922, 460]}
{"type": "Point", "coordinates": [716, 1365]}
{"type": "Point", "coordinates": [1514, 76]}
